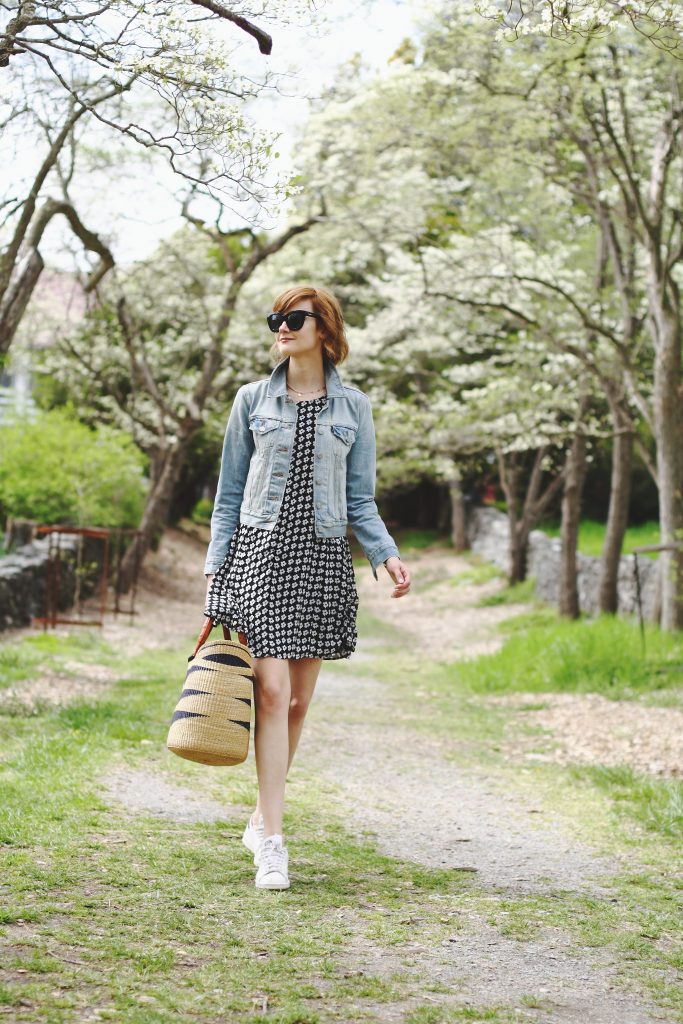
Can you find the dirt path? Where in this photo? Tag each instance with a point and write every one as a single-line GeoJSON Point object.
{"type": "Point", "coordinates": [420, 805]}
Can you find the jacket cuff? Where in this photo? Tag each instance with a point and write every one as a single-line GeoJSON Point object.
{"type": "Point", "coordinates": [381, 555]}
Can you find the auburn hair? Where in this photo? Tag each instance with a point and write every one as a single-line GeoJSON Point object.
{"type": "Point", "coordinates": [331, 322]}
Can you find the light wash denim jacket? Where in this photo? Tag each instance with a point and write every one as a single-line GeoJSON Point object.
{"type": "Point", "coordinates": [257, 451]}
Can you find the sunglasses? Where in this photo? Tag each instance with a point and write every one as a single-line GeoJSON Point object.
{"type": "Point", "coordinates": [294, 320]}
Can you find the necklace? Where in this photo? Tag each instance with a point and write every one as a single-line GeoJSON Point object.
{"type": "Point", "coordinates": [301, 393]}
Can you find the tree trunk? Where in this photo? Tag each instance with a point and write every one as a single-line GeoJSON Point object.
{"type": "Point", "coordinates": [458, 517]}
{"type": "Point", "coordinates": [536, 502]}
{"type": "Point", "coordinates": [15, 299]}
{"type": "Point", "coordinates": [509, 473]}
{"type": "Point", "coordinates": [575, 475]}
{"type": "Point", "coordinates": [668, 402]}
{"type": "Point", "coordinates": [165, 475]}
{"type": "Point", "coordinates": [617, 517]}
{"type": "Point", "coordinates": [519, 545]}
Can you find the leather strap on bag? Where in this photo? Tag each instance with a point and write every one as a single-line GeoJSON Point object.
{"type": "Point", "coordinates": [206, 629]}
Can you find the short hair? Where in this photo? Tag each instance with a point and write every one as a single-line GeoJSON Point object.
{"type": "Point", "coordinates": [335, 345]}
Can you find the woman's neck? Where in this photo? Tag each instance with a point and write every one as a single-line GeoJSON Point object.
{"type": "Point", "coordinates": [306, 374]}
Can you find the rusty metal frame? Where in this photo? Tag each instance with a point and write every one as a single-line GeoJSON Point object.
{"type": "Point", "coordinates": [51, 615]}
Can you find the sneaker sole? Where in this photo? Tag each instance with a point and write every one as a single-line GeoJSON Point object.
{"type": "Point", "coordinates": [272, 885]}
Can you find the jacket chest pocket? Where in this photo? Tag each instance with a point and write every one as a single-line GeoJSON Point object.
{"type": "Point", "coordinates": [265, 430]}
{"type": "Point", "coordinates": [342, 439]}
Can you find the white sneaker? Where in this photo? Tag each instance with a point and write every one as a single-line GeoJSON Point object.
{"type": "Point", "coordinates": [273, 862]}
{"type": "Point", "coordinates": [253, 836]}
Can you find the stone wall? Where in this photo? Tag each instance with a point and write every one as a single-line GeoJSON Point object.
{"type": "Point", "coordinates": [489, 536]}
{"type": "Point", "coordinates": [23, 578]}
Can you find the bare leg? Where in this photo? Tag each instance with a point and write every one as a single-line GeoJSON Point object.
{"type": "Point", "coordinates": [271, 742]}
{"type": "Point", "coordinates": [303, 675]}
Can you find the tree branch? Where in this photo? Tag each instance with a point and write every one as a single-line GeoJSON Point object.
{"type": "Point", "coordinates": [265, 42]}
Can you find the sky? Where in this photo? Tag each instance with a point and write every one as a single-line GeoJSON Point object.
{"type": "Point", "coordinates": [374, 28]}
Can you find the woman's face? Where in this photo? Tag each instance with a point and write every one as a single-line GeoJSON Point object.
{"type": "Point", "coordinates": [305, 341]}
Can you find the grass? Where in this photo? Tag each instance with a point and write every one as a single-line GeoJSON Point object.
{"type": "Point", "coordinates": [478, 572]}
{"type": "Point", "coordinates": [20, 661]}
{"type": "Point", "coordinates": [547, 654]}
{"type": "Point", "coordinates": [418, 539]}
{"type": "Point", "coordinates": [152, 920]}
{"type": "Point", "coordinates": [516, 593]}
{"type": "Point", "coordinates": [657, 804]}
{"type": "Point", "coordinates": [592, 536]}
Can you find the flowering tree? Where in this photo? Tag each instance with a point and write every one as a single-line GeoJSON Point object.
{"type": "Point", "coordinates": [158, 78]}
{"type": "Point", "coordinates": [660, 22]}
{"type": "Point", "coordinates": [576, 150]}
{"type": "Point", "coordinates": [153, 357]}
{"type": "Point", "coordinates": [399, 167]}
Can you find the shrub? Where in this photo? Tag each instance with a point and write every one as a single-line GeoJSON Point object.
{"type": "Point", "coordinates": [54, 469]}
{"type": "Point", "coordinates": [201, 513]}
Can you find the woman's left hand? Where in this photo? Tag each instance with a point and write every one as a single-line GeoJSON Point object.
{"type": "Point", "coordinates": [400, 574]}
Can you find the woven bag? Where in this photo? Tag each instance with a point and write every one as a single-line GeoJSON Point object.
{"type": "Point", "coordinates": [212, 719]}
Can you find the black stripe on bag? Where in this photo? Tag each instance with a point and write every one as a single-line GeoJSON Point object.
{"type": "Point", "coordinates": [200, 668]}
{"type": "Point", "coordinates": [186, 714]}
{"type": "Point", "coordinates": [192, 693]}
{"type": "Point", "coordinates": [245, 725]}
{"type": "Point", "coordinates": [226, 659]}
{"type": "Point", "coordinates": [245, 700]}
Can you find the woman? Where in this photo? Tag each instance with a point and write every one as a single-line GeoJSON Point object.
{"type": "Point", "coordinates": [298, 465]}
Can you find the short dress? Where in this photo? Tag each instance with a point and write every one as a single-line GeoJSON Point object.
{"type": "Point", "coordinates": [291, 593]}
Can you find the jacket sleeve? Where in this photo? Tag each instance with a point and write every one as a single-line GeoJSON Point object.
{"type": "Point", "coordinates": [238, 446]}
{"type": "Point", "coordinates": [363, 515]}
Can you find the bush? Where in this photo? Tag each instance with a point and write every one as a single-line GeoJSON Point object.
{"type": "Point", "coordinates": [201, 513]}
{"type": "Point", "coordinates": [54, 469]}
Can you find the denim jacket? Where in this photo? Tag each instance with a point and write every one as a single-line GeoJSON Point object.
{"type": "Point", "coordinates": [256, 455]}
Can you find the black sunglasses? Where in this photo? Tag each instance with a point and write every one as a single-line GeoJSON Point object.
{"type": "Point", "coordinates": [294, 320]}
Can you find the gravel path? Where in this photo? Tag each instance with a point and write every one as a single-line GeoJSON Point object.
{"type": "Point", "coordinates": [423, 808]}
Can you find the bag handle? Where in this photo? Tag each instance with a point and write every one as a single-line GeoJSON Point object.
{"type": "Point", "coordinates": [206, 629]}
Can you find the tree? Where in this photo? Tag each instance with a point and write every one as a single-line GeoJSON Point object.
{"type": "Point", "coordinates": [580, 143]}
{"type": "Point", "coordinates": [617, 103]}
{"type": "Point", "coordinates": [153, 356]}
{"type": "Point", "coordinates": [157, 77]}
{"type": "Point", "coordinates": [660, 23]}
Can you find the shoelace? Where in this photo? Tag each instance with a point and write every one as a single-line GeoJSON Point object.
{"type": "Point", "coordinates": [272, 858]}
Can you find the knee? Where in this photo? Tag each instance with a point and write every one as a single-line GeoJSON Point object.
{"type": "Point", "coordinates": [271, 697]}
{"type": "Point", "coordinates": [271, 691]}
{"type": "Point", "coordinates": [298, 707]}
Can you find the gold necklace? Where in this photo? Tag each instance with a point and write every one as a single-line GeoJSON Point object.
{"type": "Point", "coordinates": [302, 393]}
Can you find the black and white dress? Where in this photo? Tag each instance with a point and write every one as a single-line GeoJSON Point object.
{"type": "Point", "coordinates": [291, 593]}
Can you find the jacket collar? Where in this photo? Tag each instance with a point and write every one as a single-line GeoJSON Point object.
{"type": "Point", "coordinates": [277, 385]}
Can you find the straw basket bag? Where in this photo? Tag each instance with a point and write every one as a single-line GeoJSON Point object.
{"type": "Point", "coordinates": [212, 719]}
